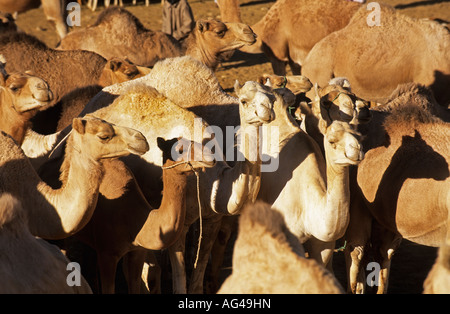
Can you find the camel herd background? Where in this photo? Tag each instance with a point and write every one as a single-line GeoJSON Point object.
{"type": "Point", "coordinates": [355, 116]}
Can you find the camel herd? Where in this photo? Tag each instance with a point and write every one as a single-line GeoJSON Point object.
{"type": "Point", "coordinates": [122, 141]}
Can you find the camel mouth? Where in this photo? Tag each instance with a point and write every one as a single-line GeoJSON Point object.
{"type": "Point", "coordinates": [205, 164]}
{"type": "Point", "coordinates": [138, 150]}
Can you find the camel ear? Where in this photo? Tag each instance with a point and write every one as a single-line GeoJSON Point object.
{"type": "Point", "coordinates": [3, 74]}
{"type": "Point", "coordinates": [202, 26]}
{"type": "Point", "coordinates": [79, 125]}
{"type": "Point", "coordinates": [237, 87]}
{"type": "Point", "coordinates": [114, 65]}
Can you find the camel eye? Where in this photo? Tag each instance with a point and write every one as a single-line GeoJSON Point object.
{"type": "Point", "coordinates": [220, 33]}
{"type": "Point", "coordinates": [103, 137]}
{"type": "Point", "coordinates": [14, 88]}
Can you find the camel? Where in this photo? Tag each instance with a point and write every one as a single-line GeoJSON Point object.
{"type": "Point", "coordinates": [118, 33]}
{"type": "Point", "coordinates": [137, 225]}
{"type": "Point", "coordinates": [265, 260]}
{"type": "Point", "coordinates": [21, 96]}
{"type": "Point", "coordinates": [375, 70]}
{"type": "Point", "coordinates": [295, 83]}
{"type": "Point", "coordinates": [200, 92]}
{"type": "Point", "coordinates": [69, 74]}
{"type": "Point", "coordinates": [278, 31]}
{"type": "Point", "coordinates": [29, 264]}
{"type": "Point", "coordinates": [58, 213]}
{"type": "Point", "coordinates": [438, 279]}
{"type": "Point", "coordinates": [406, 195]}
{"type": "Point", "coordinates": [54, 10]}
{"type": "Point", "coordinates": [64, 71]}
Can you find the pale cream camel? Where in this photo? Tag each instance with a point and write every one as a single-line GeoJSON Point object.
{"type": "Point", "coordinates": [403, 183]}
{"type": "Point", "coordinates": [59, 213]}
{"type": "Point", "coordinates": [54, 10]}
{"type": "Point", "coordinates": [267, 259]}
{"type": "Point", "coordinates": [438, 279]}
{"type": "Point", "coordinates": [291, 28]}
{"type": "Point", "coordinates": [200, 92]}
{"type": "Point", "coordinates": [118, 33]}
{"type": "Point", "coordinates": [21, 96]}
{"type": "Point", "coordinates": [375, 70]}
{"type": "Point", "coordinates": [29, 264]}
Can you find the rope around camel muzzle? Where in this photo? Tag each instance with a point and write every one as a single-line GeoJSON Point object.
{"type": "Point", "coordinates": [199, 203]}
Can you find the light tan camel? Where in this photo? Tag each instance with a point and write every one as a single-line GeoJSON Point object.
{"type": "Point", "coordinates": [29, 264]}
{"type": "Point", "coordinates": [438, 279]}
{"type": "Point", "coordinates": [291, 28]}
{"type": "Point", "coordinates": [201, 93]}
{"type": "Point", "coordinates": [295, 83]}
{"type": "Point", "coordinates": [118, 33]}
{"type": "Point", "coordinates": [266, 259]}
{"type": "Point", "coordinates": [21, 96]}
{"type": "Point", "coordinates": [402, 185]}
{"type": "Point", "coordinates": [54, 10]}
{"type": "Point", "coordinates": [375, 70]}
{"type": "Point", "coordinates": [54, 214]}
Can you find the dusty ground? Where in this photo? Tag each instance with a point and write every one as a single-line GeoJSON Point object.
{"type": "Point", "coordinates": [412, 262]}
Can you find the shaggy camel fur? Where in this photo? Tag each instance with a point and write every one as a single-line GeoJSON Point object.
{"type": "Point", "coordinates": [376, 69]}
{"type": "Point", "coordinates": [403, 183]}
{"type": "Point", "coordinates": [21, 96]}
{"type": "Point", "coordinates": [278, 31]}
{"type": "Point", "coordinates": [54, 214]}
{"type": "Point", "coordinates": [299, 161]}
{"type": "Point", "coordinates": [29, 264]}
{"type": "Point", "coordinates": [54, 10]}
{"type": "Point", "coordinates": [118, 33]}
{"type": "Point", "coordinates": [438, 279]}
{"type": "Point", "coordinates": [266, 261]}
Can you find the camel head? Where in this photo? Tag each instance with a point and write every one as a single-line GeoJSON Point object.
{"type": "Point", "coordinates": [100, 139]}
{"type": "Point", "coordinates": [255, 102]}
{"type": "Point", "coordinates": [186, 154]}
{"type": "Point", "coordinates": [336, 102]}
{"type": "Point", "coordinates": [22, 95]}
{"type": "Point", "coordinates": [23, 91]}
{"type": "Point", "coordinates": [225, 36]}
{"type": "Point", "coordinates": [118, 70]}
{"type": "Point", "coordinates": [342, 144]}
{"type": "Point", "coordinates": [295, 83]}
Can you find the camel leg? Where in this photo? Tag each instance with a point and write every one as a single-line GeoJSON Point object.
{"type": "Point", "coordinates": [357, 236]}
{"type": "Point", "coordinates": [153, 276]}
{"type": "Point", "coordinates": [211, 228]}
{"type": "Point", "coordinates": [219, 247]}
{"type": "Point", "coordinates": [321, 251]}
{"type": "Point", "coordinates": [107, 264]}
{"type": "Point", "coordinates": [132, 267]}
{"type": "Point", "coordinates": [56, 15]}
{"type": "Point", "coordinates": [177, 261]}
{"type": "Point", "coordinates": [384, 243]}
{"type": "Point", "coordinates": [295, 67]}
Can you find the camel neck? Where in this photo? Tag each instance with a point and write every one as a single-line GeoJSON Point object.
{"type": "Point", "coordinates": [164, 225]}
{"type": "Point", "coordinates": [195, 48]}
{"type": "Point", "coordinates": [69, 208]}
